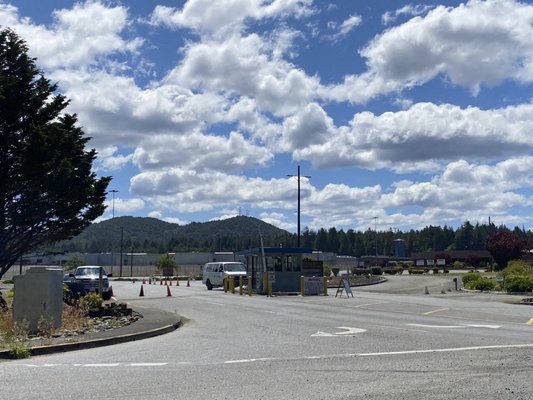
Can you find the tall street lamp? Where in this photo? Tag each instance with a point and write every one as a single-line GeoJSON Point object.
{"type": "Point", "coordinates": [376, 232]}
{"type": "Point", "coordinates": [113, 191]}
{"type": "Point", "coordinates": [305, 176]}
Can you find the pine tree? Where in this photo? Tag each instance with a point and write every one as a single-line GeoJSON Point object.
{"type": "Point", "coordinates": [47, 189]}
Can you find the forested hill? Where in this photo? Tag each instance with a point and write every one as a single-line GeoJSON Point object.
{"type": "Point", "coordinates": [153, 235]}
{"type": "Point", "coordinates": [239, 233]}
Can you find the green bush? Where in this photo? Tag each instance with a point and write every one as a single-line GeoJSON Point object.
{"type": "Point", "coordinates": [459, 265]}
{"type": "Point", "coordinates": [91, 301]}
{"type": "Point", "coordinates": [482, 284]}
{"type": "Point", "coordinates": [471, 277]}
{"type": "Point", "coordinates": [517, 267]}
{"type": "Point", "coordinates": [518, 283]}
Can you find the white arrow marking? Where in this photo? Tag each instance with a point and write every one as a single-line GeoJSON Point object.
{"type": "Point", "coordinates": [349, 331]}
{"type": "Point", "coordinates": [322, 334]}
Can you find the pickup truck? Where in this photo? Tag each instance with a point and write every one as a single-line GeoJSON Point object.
{"type": "Point", "coordinates": [88, 276]}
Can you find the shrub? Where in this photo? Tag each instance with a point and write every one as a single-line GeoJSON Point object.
{"type": "Point", "coordinates": [518, 283]}
{"type": "Point", "coordinates": [482, 284]}
{"type": "Point", "coordinates": [471, 277]}
{"type": "Point", "coordinates": [517, 267]}
{"type": "Point", "coordinates": [458, 265]}
{"type": "Point", "coordinates": [91, 301]}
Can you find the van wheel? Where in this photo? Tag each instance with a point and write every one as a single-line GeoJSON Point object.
{"type": "Point", "coordinates": [208, 284]}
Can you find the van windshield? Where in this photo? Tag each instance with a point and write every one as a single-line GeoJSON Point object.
{"type": "Point", "coordinates": [234, 267]}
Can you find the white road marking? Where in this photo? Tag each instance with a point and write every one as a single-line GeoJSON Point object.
{"type": "Point", "coordinates": [349, 331]}
{"type": "Point", "coordinates": [101, 365]}
{"type": "Point", "coordinates": [147, 364]}
{"type": "Point", "coordinates": [284, 359]}
{"type": "Point", "coordinates": [462, 326]}
{"type": "Point", "coordinates": [435, 311]}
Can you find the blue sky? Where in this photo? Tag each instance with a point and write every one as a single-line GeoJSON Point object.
{"type": "Point", "coordinates": [415, 113]}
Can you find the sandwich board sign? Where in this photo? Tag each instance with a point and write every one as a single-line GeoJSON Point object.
{"type": "Point", "coordinates": [344, 284]}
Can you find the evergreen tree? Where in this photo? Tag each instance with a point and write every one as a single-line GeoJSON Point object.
{"type": "Point", "coordinates": [47, 189]}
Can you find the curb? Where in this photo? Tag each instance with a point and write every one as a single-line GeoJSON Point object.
{"type": "Point", "coordinates": [89, 344]}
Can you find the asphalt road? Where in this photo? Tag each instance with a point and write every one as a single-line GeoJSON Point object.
{"type": "Point", "coordinates": [403, 344]}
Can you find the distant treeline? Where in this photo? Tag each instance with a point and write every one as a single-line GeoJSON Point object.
{"type": "Point", "coordinates": [154, 236]}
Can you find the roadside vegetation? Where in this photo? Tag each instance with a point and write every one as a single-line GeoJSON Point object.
{"type": "Point", "coordinates": [516, 278]}
{"type": "Point", "coordinates": [75, 320]}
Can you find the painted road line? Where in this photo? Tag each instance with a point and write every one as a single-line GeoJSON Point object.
{"type": "Point", "coordinates": [436, 311]}
{"type": "Point", "coordinates": [101, 365]}
{"type": "Point", "coordinates": [147, 364]}
{"type": "Point", "coordinates": [456, 326]}
{"type": "Point", "coordinates": [370, 304]}
{"type": "Point", "coordinates": [530, 322]}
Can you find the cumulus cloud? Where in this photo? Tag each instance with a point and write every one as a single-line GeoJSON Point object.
{"type": "Point", "coordinates": [79, 36]}
{"type": "Point", "coordinates": [217, 18]}
{"type": "Point", "coordinates": [425, 136]}
{"type": "Point", "coordinates": [200, 152]}
{"type": "Point", "coordinates": [474, 44]}
{"type": "Point", "coordinates": [245, 66]}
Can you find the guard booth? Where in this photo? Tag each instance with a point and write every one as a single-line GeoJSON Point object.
{"type": "Point", "coordinates": [280, 266]}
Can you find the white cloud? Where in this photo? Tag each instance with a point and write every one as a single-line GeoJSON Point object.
{"type": "Point", "coordinates": [78, 37]}
{"type": "Point", "coordinates": [409, 10]}
{"type": "Point", "coordinates": [474, 44]}
{"type": "Point", "coordinates": [342, 30]}
{"type": "Point", "coordinates": [245, 66]}
{"type": "Point", "coordinates": [425, 136]}
{"type": "Point", "coordinates": [125, 206]}
{"type": "Point", "coordinates": [225, 16]}
{"type": "Point", "coordinates": [199, 152]}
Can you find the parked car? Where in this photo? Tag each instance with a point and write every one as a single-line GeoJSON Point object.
{"type": "Point", "coordinates": [88, 277]}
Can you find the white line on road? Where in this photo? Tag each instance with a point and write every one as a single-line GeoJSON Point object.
{"type": "Point", "coordinates": [462, 326]}
{"type": "Point", "coordinates": [147, 364]}
{"type": "Point", "coordinates": [435, 311]}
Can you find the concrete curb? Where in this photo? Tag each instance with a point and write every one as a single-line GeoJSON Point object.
{"type": "Point", "coordinates": [88, 344]}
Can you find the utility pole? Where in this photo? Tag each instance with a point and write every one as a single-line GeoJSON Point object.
{"type": "Point", "coordinates": [376, 232]}
{"type": "Point", "coordinates": [299, 201]}
{"type": "Point", "coordinates": [121, 249]}
{"type": "Point", "coordinates": [113, 191]}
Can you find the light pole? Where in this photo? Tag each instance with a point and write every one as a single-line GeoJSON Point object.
{"type": "Point", "coordinates": [376, 232]}
{"type": "Point", "coordinates": [113, 191]}
{"type": "Point", "coordinates": [299, 201]}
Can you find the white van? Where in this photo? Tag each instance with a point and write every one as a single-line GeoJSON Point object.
{"type": "Point", "coordinates": [215, 272]}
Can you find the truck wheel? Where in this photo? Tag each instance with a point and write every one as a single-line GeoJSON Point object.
{"type": "Point", "coordinates": [208, 284]}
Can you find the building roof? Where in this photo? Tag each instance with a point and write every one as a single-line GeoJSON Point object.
{"type": "Point", "coordinates": [276, 250]}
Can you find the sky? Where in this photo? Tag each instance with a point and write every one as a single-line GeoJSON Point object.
{"type": "Point", "coordinates": [400, 115]}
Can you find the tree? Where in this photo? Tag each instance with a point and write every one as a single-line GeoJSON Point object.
{"type": "Point", "coordinates": [166, 264]}
{"type": "Point", "coordinates": [504, 246]}
{"type": "Point", "coordinates": [74, 262]}
{"type": "Point", "coordinates": [47, 189]}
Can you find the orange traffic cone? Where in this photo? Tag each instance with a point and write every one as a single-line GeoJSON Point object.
{"type": "Point", "coordinates": [141, 294]}
{"type": "Point", "coordinates": [149, 281]}
{"type": "Point", "coordinates": [144, 281]}
{"type": "Point", "coordinates": [188, 282]}
{"type": "Point", "coordinates": [168, 292]}
{"type": "Point", "coordinates": [170, 282]}
{"type": "Point", "coordinates": [177, 281]}
{"type": "Point", "coordinates": [160, 282]}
